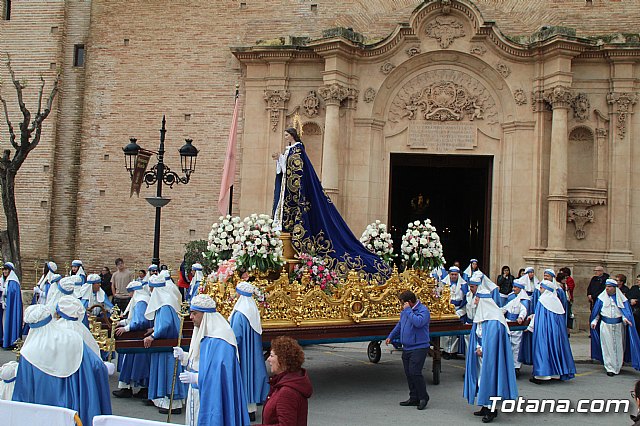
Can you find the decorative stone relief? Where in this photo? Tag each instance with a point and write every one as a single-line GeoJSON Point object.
{"type": "Point", "coordinates": [445, 29]}
{"type": "Point", "coordinates": [369, 95]}
{"type": "Point", "coordinates": [310, 104]}
{"type": "Point", "coordinates": [623, 103]}
{"type": "Point", "coordinates": [538, 103]}
{"type": "Point", "coordinates": [443, 95]}
{"type": "Point", "coordinates": [580, 217]}
{"type": "Point", "coordinates": [333, 93]}
{"type": "Point", "coordinates": [581, 106]}
{"type": "Point", "coordinates": [387, 67]}
{"type": "Point", "coordinates": [520, 97]}
{"type": "Point", "coordinates": [503, 69]}
{"type": "Point", "coordinates": [413, 51]}
{"type": "Point", "coordinates": [558, 97]}
{"type": "Point", "coordinates": [602, 132]}
{"type": "Point", "coordinates": [477, 49]}
{"type": "Point", "coordinates": [275, 103]}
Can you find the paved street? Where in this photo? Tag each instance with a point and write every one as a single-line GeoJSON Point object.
{"type": "Point", "coordinates": [349, 390]}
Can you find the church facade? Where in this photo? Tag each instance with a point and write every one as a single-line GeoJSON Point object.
{"type": "Point", "coordinates": [514, 133]}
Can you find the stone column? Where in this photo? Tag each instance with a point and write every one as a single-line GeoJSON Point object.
{"type": "Point", "coordinates": [333, 95]}
{"type": "Point", "coordinates": [560, 99]}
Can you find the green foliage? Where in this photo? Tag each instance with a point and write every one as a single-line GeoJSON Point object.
{"type": "Point", "coordinates": [194, 254]}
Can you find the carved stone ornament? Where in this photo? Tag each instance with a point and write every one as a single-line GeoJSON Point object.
{"type": "Point", "coordinates": [503, 69]}
{"type": "Point", "coordinates": [623, 103]}
{"type": "Point", "coordinates": [538, 102]}
{"type": "Point", "coordinates": [558, 97]}
{"type": "Point", "coordinates": [369, 95]}
{"type": "Point", "coordinates": [601, 132]}
{"type": "Point", "coordinates": [520, 97]}
{"type": "Point", "coordinates": [443, 95]}
{"type": "Point", "coordinates": [477, 49]}
{"type": "Point", "coordinates": [386, 68]}
{"type": "Point", "coordinates": [333, 93]}
{"type": "Point", "coordinates": [445, 29]}
{"type": "Point", "coordinates": [310, 104]}
{"type": "Point", "coordinates": [413, 51]}
{"type": "Point", "coordinates": [580, 217]}
{"type": "Point", "coordinates": [581, 106]}
{"type": "Point", "coordinates": [276, 100]}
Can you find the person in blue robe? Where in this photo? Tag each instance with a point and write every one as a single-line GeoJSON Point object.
{"type": "Point", "coordinates": [458, 289]}
{"type": "Point", "coordinates": [552, 357]}
{"type": "Point", "coordinates": [489, 369]}
{"type": "Point", "coordinates": [97, 296]}
{"type": "Point", "coordinates": [194, 286]}
{"type": "Point", "coordinates": [134, 368]}
{"type": "Point", "coordinates": [69, 312]}
{"type": "Point", "coordinates": [78, 269]}
{"type": "Point", "coordinates": [247, 327]}
{"type": "Point", "coordinates": [532, 287]}
{"type": "Point", "coordinates": [57, 368]}
{"type": "Point", "coordinates": [12, 303]}
{"type": "Point", "coordinates": [60, 287]}
{"type": "Point", "coordinates": [516, 310]}
{"type": "Point", "coordinates": [302, 208]}
{"type": "Point", "coordinates": [614, 338]}
{"type": "Point", "coordinates": [216, 393]}
{"type": "Point", "coordinates": [163, 308]}
{"type": "Point", "coordinates": [41, 290]}
{"type": "Point", "coordinates": [482, 281]}
{"type": "Point", "coordinates": [473, 267]}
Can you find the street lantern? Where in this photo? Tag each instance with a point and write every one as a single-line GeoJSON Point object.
{"type": "Point", "coordinates": [188, 157]}
{"type": "Point", "coordinates": [131, 155]}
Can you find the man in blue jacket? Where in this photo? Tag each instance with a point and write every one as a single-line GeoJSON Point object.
{"type": "Point", "coordinates": [413, 329]}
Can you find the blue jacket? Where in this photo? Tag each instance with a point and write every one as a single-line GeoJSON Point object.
{"type": "Point", "coordinates": [413, 327]}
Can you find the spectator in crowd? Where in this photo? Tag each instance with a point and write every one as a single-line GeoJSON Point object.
{"type": "Point", "coordinates": [119, 282]}
{"type": "Point", "coordinates": [562, 279]}
{"type": "Point", "coordinates": [141, 275]}
{"type": "Point", "coordinates": [505, 280]}
{"type": "Point", "coordinates": [596, 285]}
{"type": "Point", "coordinates": [105, 277]}
{"type": "Point", "coordinates": [520, 272]}
{"type": "Point", "coordinates": [290, 385]}
{"type": "Point", "coordinates": [571, 284]}
{"type": "Point", "coordinates": [634, 301]}
{"type": "Point", "coordinates": [621, 279]}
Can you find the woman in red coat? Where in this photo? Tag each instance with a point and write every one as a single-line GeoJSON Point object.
{"type": "Point", "coordinates": [290, 386]}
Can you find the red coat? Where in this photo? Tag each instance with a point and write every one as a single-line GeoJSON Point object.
{"type": "Point", "coordinates": [286, 403]}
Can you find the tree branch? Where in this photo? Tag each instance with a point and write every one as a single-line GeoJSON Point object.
{"type": "Point", "coordinates": [40, 94]}
{"type": "Point", "coordinates": [41, 116]}
{"type": "Point", "coordinates": [12, 133]}
{"type": "Point", "coordinates": [24, 126]}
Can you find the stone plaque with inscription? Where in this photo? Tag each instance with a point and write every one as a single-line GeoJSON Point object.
{"type": "Point", "coordinates": [442, 137]}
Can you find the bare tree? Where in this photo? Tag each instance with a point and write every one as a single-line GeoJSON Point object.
{"type": "Point", "coordinates": [23, 143]}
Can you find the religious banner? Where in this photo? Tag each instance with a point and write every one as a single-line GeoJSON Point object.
{"type": "Point", "coordinates": [139, 170]}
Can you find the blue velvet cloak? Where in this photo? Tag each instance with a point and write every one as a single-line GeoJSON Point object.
{"type": "Point", "coordinates": [86, 390]}
{"type": "Point", "coordinates": [551, 349]}
{"type": "Point", "coordinates": [631, 339]}
{"type": "Point", "coordinates": [12, 322]}
{"type": "Point", "coordinates": [252, 366]}
{"type": "Point", "coordinates": [317, 227]}
{"type": "Point", "coordinates": [222, 398]}
{"type": "Point", "coordinates": [166, 325]}
{"type": "Point", "coordinates": [192, 292]}
{"type": "Point", "coordinates": [497, 375]}
{"type": "Point", "coordinates": [525, 355]}
{"type": "Point", "coordinates": [134, 369]}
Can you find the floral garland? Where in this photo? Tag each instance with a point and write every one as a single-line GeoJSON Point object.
{"type": "Point", "coordinates": [320, 274]}
{"type": "Point", "coordinates": [223, 237]}
{"type": "Point", "coordinates": [377, 240]}
{"type": "Point", "coordinates": [421, 246]}
{"type": "Point", "coordinates": [259, 246]}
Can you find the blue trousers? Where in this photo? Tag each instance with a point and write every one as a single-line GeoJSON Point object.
{"type": "Point", "coordinates": [413, 362]}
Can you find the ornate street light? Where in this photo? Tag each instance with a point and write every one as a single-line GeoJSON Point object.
{"type": "Point", "coordinates": [159, 174]}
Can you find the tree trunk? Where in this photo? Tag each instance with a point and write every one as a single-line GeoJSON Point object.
{"type": "Point", "coordinates": [7, 185]}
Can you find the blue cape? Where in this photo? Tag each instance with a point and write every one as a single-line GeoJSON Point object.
{"type": "Point", "coordinates": [315, 224]}
{"type": "Point", "coordinates": [12, 323]}
{"type": "Point", "coordinates": [631, 343]}
{"type": "Point", "coordinates": [86, 390]}
{"type": "Point", "coordinates": [497, 376]}
{"type": "Point", "coordinates": [551, 349]}
{"type": "Point", "coordinates": [222, 397]}
{"type": "Point", "coordinates": [134, 367]}
{"type": "Point", "coordinates": [252, 365]}
{"type": "Point", "coordinates": [166, 325]}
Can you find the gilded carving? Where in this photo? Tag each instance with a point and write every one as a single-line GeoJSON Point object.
{"type": "Point", "coordinates": [387, 67]}
{"type": "Point", "coordinates": [520, 97]}
{"type": "Point", "coordinates": [580, 217]}
{"type": "Point", "coordinates": [581, 106]}
{"type": "Point", "coordinates": [445, 29]}
{"type": "Point", "coordinates": [623, 103]}
{"type": "Point", "coordinates": [310, 104]}
{"type": "Point", "coordinates": [413, 51]}
{"type": "Point", "coordinates": [333, 93]}
{"type": "Point", "coordinates": [558, 97]}
{"type": "Point", "coordinates": [276, 100]}
{"type": "Point", "coordinates": [503, 69]}
{"type": "Point", "coordinates": [443, 95]}
{"type": "Point", "coordinates": [369, 95]}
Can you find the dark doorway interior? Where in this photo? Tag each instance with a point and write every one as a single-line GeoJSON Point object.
{"type": "Point", "coordinates": [454, 192]}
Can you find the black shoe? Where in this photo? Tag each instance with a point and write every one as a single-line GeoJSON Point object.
{"type": "Point", "coordinates": [422, 404]}
{"type": "Point", "coordinates": [517, 372]}
{"type": "Point", "coordinates": [173, 411]}
{"type": "Point", "coordinates": [142, 394]}
{"type": "Point", "coordinates": [410, 403]}
{"type": "Point", "coordinates": [148, 402]}
{"type": "Point", "coordinates": [536, 381]}
{"type": "Point", "coordinates": [252, 416]}
{"type": "Point", "coordinates": [483, 412]}
{"type": "Point", "coordinates": [610, 374]}
{"type": "Point", "coordinates": [122, 393]}
{"type": "Point", "coordinates": [488, 418]}
{"type": "Point", "coordinates": [446, 355]}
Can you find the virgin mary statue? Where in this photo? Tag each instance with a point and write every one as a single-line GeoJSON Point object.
{"type": "Point", "coordinates": [301, 207]}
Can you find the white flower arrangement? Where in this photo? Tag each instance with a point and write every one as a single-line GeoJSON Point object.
{"type": "Point", "coordinates": [224, 235]}
{"type": "Point", "coordinates": [259, 246]}
{"type": "Point", "coordinates": [421, 246]}
{"type": "Point", "coordinates": [376, 239]}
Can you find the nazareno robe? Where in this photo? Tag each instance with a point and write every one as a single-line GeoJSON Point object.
{"type": "Point", "coordinates": [12, 321]}
{"type": "Point", "coordinates": [134, 369]}
{"type": "Point", "coordinates": [551, 349]}
{"type": "Point", "coordinates": [252, 366]}
{"type": "Point", "coordinates": [631, 343]}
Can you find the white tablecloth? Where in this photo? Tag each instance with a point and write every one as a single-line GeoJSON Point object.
{"type": "Point", "coordinates": [21, 413]}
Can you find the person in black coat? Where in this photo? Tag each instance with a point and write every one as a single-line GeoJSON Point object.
{"type": "Point", "coordinates": [596, 285]}
{"type": "Point", "coordinates": [634, 300]}
{"type": "Point", "coordinates": [505, 280]}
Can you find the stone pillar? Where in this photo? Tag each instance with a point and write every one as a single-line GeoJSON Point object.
{"type": "Point", "coordinates": [333, 95]}
{"type": "Point", "coordinates": [560, 99]}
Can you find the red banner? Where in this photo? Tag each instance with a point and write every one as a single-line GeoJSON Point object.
{"type": "Point", "coordinates": [138, 172]}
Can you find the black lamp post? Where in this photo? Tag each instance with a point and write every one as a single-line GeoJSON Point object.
{"type": "Point", "coordinates": [160, 173]}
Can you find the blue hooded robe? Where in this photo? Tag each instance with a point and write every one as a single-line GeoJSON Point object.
{"type": "Point", "coordinates": [252, 366]}
{"type": "Point", "coordinates": [134, 369]}
{"type": "Point", "coordinates": [12, 323]}
{"type": "Point", "coordinates": [551, 349]}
